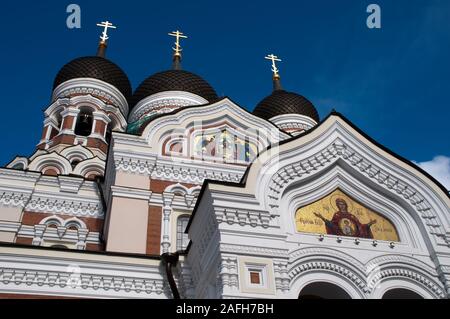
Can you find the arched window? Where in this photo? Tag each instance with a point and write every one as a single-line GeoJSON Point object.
{"type": "Point", "coordinates": [84, 123]}
{"type": "Point", "coordinates": [323, 290]}
{"type": "Point", "coordinates": [182, 238]}
{"type": "Point", "coordinates": [73, 226]}
{"type": "Point", "coordinates": [400, 293]}
{"type": "Point", "coordinates": [19, 166]}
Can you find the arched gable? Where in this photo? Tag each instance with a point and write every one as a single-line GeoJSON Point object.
{"type": "Point", "coordinates": [184, 122]}
{"type": "Point", "coordinates": [337, 144]}
{"type": "Point", "coordinates": [334, 156]}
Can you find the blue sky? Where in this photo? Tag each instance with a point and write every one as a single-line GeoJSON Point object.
{"type": "Point", "coordinates": [393, 83]}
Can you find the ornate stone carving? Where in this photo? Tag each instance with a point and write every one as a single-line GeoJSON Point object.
{"type": "Point", "coordinates": [14, 199]}
{"type": "Point", "coordinates": [339, 150]}
{"type": "Point", "coordinates": [65, 207]}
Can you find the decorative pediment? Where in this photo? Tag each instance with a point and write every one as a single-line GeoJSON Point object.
{"type": "Point", "coordinates": [195, 118]}
{"type": "Point", "coordinates": [338, 147]}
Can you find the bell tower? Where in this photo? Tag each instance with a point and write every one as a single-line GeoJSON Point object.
{"type": "Point", "coordinates": [89, 101]}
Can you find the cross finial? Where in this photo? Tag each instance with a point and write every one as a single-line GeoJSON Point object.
{"type": "Point", "coordinates": [178, 35]}
{"type": "Point", "coordinates": [106, 25]}
{"type": "Point", "coordinates": [275, 70]}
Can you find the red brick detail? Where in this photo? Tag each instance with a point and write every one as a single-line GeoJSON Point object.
{"type": "Point", "coordinates": [92, 177]}
{"type": "Point", "coordinates": [89, 247]}
{"type": "Point", "coordinates": [53, 132]}
{"type": "Point", "coordinates": [51, 172]}
{"type": "Point", "coordinates": [95, 247]}
{"type": "Point", "coordinates": [100, 127]}
{"type": "Point", "coordinates": [64, 139]}
{"type": "Point", "coordinates": [24, 241]}
{"type": "Point", "coordinates": [96, 143]}
{"type": "Point", "coordinates": [93, 224]}
{"type": "Point", "coordinates": [158, 186]}
{"type": "Point", "coordinates": [154, 230]}
{"type": "Point", "coordinates": [68, 122]}
{"type": "Point", "coordinates": [31, 219]}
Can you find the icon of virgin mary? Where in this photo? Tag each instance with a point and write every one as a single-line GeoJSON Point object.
{"type": "Point", "coordinates": [345, 223]}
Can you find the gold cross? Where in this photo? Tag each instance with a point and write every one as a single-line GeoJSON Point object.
{"type": "Point", "coordinates": [107, 25]}
{"type": "Point", "coordinates": [178, 35]}
{"type": "Point", "coordinates": [275, 70]}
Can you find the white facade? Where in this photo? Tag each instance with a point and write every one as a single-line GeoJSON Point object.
{"type": "Point", "coordinates": [255, 223]}
{"type": "Point", "coordinates": [243, 199]}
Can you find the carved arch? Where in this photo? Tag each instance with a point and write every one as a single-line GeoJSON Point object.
{"type": "Point", "coordinates": [90, 166]}
{"type": "Point", "coordinates": [40, 163]}
{"type": "Point", "coordinates": [77, 152]}
{"type": "Point", "coordinates": [335, 141]}
{"type": "Point", "coordinates": [301, 193]}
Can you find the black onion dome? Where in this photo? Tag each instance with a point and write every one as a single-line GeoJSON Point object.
{"type": "Point", "coordinates": [97, 68]}
{"type": "Point", "coordinates": [282, 102]}
{"type": "Point", "coordinates": [174, 80]}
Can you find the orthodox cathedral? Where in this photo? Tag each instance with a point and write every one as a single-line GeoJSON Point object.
{"type": "Point", "coordinates": [172, 191]}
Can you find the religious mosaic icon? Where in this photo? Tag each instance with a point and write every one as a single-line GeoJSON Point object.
{"type": "Point", "coordinates": [224, 145]}
{"type": "Point", "coordinates": [340, 215]}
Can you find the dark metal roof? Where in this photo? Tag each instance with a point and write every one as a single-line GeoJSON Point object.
{"type": "Point", "coordinates": [283, 102]}
{"type": "Point", "coordinates": [174, 80]}
{"type": "Point", "coordinates": [97, 68]}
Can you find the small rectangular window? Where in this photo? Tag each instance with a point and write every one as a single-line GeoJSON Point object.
{"type": "Point", "coordinates": [255, 277]}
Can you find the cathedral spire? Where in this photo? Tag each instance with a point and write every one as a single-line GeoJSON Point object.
{"type": "Point", "coordinates": [177, 49]}
{"type": "Point", "coordinates": [275, 70]}
{"type": "Point", "coordinates": [103, 44]}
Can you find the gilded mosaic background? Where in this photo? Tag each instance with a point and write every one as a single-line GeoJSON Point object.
{"type": "Point", "coordinates": [338, 214]}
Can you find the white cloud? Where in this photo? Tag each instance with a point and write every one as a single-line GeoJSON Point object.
{"type": "Point", "coordinates": [439, 168]}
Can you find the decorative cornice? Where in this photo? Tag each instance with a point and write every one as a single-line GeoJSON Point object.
{"type": "Point", "coordinates": [79, 284]}
{"type": "Point", "coordinates": [156, 103]}
{"type": "Point", "coordinates": [14, 199]}
{"type": "Point", "coordinates": [255, 251]}
{"type": "Point", "coordinates": [94, 87]}
{"type": "Point", "coordinates": [243, 217]}
{"type": "Point", "coordinates": [185, 171]}
{"type": "Point", "coordinates": [78, 274]}
{"type": "Point", "coordinates": [293, 121]}
{"type": "Point", "coordinates": [120, 191]}
{"type": "Point", "coordinates": [69, 206]}
{"type": "Point", "coordinates": [134, 165]}
{"type": "Point", "coordinates": [69, 184]}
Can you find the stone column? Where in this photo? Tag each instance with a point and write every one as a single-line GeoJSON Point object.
{"type": "Point", "coordinates": [167, 212]}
